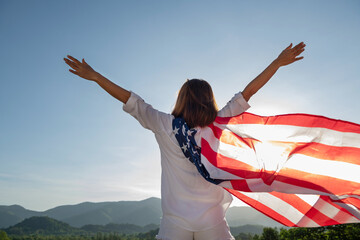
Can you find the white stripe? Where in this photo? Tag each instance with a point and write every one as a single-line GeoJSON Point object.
{"type": "Point", "coordinates": [341, 170]}
{"type": "Point", "coordinates": [283, 208]}
{"type": "Point", "coordinates": [308, 198]}
{"type": "Point", "coordinates": [258, 185]}
{"type": "Point", "coordinates": [245, 155]}
{"type": "Point", "coordinates": [293, 189]}
{"type": "Point", "coordinates": [294, 134]}
{"type": "Point", "coordinates": [275, 160]}
{"type": "Point", "coordinates": [340, 197]}
{"type": "Point", "coordinates": [215, 172]}
{"type": "Point", "coordinates": [352, 209]}
{"type": "Point", "coordinates": [333, 212]}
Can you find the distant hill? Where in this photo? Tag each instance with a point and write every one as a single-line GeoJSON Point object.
{"type": "Point", "coordinates": [139, 213]}
{"type": "Point", "coordinates": [239, 216]}
{"type": "Point", "coordinates": [48, 226]}
{"type": "Point", "coordinates": [253, 229]}
{"type": "Point", "coordinates": [43, 226]}
{"type": "Point", "coordinates": [119, 228]}
{"type": "Point", "coordinates": [10, 215]}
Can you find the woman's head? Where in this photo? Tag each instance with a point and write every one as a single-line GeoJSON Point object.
{"type": "Point", "coordinates": [196, 103]}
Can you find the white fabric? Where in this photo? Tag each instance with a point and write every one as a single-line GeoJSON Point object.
{"type": "Point", "coordinates": [170, 231]}
{"type": "Point", "coordinates": [187, 200]}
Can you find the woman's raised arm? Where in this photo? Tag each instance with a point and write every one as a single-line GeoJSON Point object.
{"type": "Point", "coordinates": [287, 56]}
{"type": "Point", "coordinates": [82, 69]}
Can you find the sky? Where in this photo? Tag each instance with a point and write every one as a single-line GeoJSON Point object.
{"type": "Point", "coordinates": [64, 140]}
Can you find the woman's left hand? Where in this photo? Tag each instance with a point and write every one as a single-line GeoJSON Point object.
{"type": "Point", "coordinates": [82, 69]}
{"type": "Point", "coordinates": [290, 55]}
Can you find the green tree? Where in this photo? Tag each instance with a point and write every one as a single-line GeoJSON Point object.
{"type": "Point", "coordinates": [303, 234]}
{"type": "Point", "coordinates": [270, 234]}
{"type": "Point", "coordinates": [256, 237]}
{"type": "Point", "coordinates": [3, 235]}
{"type": "Point", "coordinates": [344, 231]}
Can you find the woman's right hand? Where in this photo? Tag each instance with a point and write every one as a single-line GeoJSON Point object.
{"type": "Point", "coordinates": [290, 54]}
{"type": "Point", "coordinates": [82, 69]}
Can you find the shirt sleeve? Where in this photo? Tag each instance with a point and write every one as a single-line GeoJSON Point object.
{"type": "Point", "coordinates": [147, 116]}
{"type": "Point", "coordinates": [235, 106]}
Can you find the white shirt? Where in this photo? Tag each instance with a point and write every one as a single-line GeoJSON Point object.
{"type": "Point", "coordinates": [187, 200]}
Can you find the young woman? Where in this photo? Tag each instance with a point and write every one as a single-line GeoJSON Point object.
{"type": "Point", "coordinates": [192, 207]}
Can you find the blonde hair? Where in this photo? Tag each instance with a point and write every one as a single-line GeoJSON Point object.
{"type": "Point", "coordinates": [196, 103]}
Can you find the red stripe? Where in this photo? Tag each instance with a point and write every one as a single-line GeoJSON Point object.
{"type": "Point", "coordinates": [262, 208]}
{"type": "Point", "coordinates": [353, 201]}
{"type": "Point", "coordinates": [326, 184]}
{"type": "Point", "coordinates": [306, 209]}
{"type": "Point", "coordinates": [227, 164]}
{"type": "Point", "coordinates": [240, 185]}
{"type": "Point", "coordinates": [312, 149]}
{"type": "Point", "coordinates": [319, 183]}
{"type": "Point", "coordinates": [342, 210]}
{"type": "Point", "coordinates": [350, 200]}
{"type": "Point", "coordinates": [301, 120]}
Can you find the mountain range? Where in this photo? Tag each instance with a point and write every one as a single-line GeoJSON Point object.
{"type": "Point", "coordinates": [139, 213]}
{"type": "Point", "coordinates": [48, 226]}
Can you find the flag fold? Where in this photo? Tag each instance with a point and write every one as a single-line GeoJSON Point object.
{"type": "Point", "coordinates": [301, 170]}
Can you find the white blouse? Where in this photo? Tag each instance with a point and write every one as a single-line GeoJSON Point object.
{"type": "Point", "coordinates": [187, 200]}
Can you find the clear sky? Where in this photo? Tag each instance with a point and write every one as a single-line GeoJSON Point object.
{"type": "Point", "coordinates": [63, 140]}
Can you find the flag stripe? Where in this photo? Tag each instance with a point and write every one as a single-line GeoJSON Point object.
{"type": "Point", "coordinates": [272, 159]}
{"type": "Point", "coordinates": [314, 149]}
{"type": "Point", "coordinates": [261, 207]}
{"type": "Point", "coordinates": [287, 133]}
{"type": "Point", "coordinates": [304, 120]}
{"type": "Point", "coordinates": [306, 209]}
{"type": "Point", "coordinates": [298, 177]}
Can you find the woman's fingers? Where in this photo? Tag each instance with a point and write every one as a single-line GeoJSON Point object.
{"type": "Point", "coordinates": [299, 46]}
{"type": "Point", "coordinates": [74, 59]}
{"type": "Point", "coordinates": [74, 72]}
{"type": "Point", "coordinates": [70, 63]}
{"type": "Point", "coordinates": [298, 49]}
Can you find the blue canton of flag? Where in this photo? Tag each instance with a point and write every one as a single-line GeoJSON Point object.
{"type": "Point", "coordinates": [186, 140]}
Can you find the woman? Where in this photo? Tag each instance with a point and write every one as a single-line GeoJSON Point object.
{"type": "Point", "coordinates": [192, 207]}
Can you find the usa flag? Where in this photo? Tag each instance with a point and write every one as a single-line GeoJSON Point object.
{"type": "Point", "coordinates": [301, 170]}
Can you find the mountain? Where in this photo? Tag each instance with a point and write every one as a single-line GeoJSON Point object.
{"type": "Point", "coordinates": [253, 229]}
{"type": "Point", "coordinates": [48, 226]}
{"type": "Point", "coordinates": [119, 228]}
{"type": "Point", "coordinates": [42, 225]}
{"type": "Point", "coordinates": [239, 216]}
{"type": "Point", "coordinates": [10, 215]}
{"type": "Point", "coordinates": [139, 213]}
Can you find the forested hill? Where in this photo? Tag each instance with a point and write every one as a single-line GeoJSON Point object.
{"type": "Point", "coordinates": [49, 226]}
{"type": "Point", "coordinates": [43, 226]}
{"type": "Point", "coordinates": [139, 213]}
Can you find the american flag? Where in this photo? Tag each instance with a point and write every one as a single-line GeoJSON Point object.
{"type": "Point", "coordinates": [300, 170]}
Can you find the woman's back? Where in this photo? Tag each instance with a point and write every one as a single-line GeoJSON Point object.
{"type": "Point", "coordinates": [187, 199]}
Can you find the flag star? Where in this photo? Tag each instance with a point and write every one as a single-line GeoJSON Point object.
{"type": "Point", "coordinates": [176, 130]}
{"type": "Point", "coordinates": [184, 147]}
{"type": "Point", "coordinates": [189, 132]}
{"type": "Point", "coordinates": [183, 130]}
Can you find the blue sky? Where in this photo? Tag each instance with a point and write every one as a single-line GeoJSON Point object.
{"type": "Point", "coordinates": [63, 140]}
